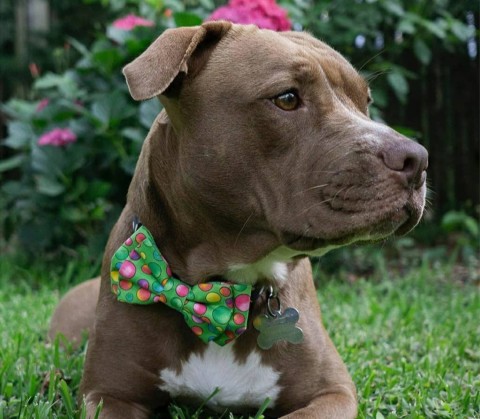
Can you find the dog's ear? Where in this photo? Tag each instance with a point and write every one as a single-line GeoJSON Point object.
{"type": "Point", "coordinates": [153, 71]}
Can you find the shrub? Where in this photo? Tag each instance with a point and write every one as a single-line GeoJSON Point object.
{"type": "Point", "coordinates": [77, 145]}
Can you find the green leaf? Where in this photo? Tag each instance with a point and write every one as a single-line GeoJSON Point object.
{"type": "Point", "coordinates": [394, 8]}
{"type": "Point", "coordinates": [64, 83]}
{"type": "Point", "coordinates": [48, 185]}
{"type": "Point", "coordinates": [471, 226]}
{"type": "Point", "coordinates": [117, 35]}
{"type": "Point", "coordinates": [11, 163]}
{"type": "Point", "coordinates": [110, 109]}
{"type": "Point", "coordinates": [137, 46]}
{"type": "Point", "coordinates": [20, 134]}
{"type": "Point", "coordinates": [433, 27]}
{"type": "Point", "coordinates": [67, 398]}
{"type": "Point", "coordinates": [458, 221]}
{"type": "Point", "coordinates": [149, 111]}
{"type": "Point", "coordinates": [13, 189]}
{"type": "Point", "coordinates": [128, 165]}
{"type": "Point", "coordinates": [108, 59]}
{"type": "Point", "coordinates": [186, 19]}
{"type": "Point", "coordinates": [98, 189]}
{"type": "Point", "coordinates": [207, 4]}
{"type": "Point", "coordinates": [82, 49]}
{"type": "Point", "coordinates": [406, 26]}
{"type": "Point", "coordinates": [399, 84]}
{"type": "Point", "coordinates": [19, 109]}
{"type": "Point", "coordinates": [462, 31]}
{"type": "Point", "coordinates": [98, 410]}
{"type": "Point", "coordinates": [380, 97]}
{"type": "Point", "coordinates": [406, 131]}
{"type": "Point", "coordinates": [73, 214]}
{"type": "Point", "coordinates": [116, 4]}
{"type": "Point", "coordinates": [422, 52]}
{"type": "Point", "coordinates": [135, 134]}
{"type": "Point", "coordinates": [48, 160]}
{"type": "Point", "coordinates": [263, 407]}
{"type": "Point", "coordinates": [48, 81]}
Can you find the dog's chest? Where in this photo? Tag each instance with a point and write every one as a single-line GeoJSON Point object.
{"type": "Point", "coordinates": [235, 384]}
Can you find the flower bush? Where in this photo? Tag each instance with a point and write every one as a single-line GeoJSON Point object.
{"type": "Point", "coordinates": [265, 14]}
{"type": "Point", "coordinates": [76, 146]}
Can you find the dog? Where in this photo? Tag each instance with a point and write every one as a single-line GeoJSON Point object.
{"type": "Point", "coordinates": [263, 155]}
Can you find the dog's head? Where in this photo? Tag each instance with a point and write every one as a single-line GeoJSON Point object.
{"type": "Point", "coordinates": [272, 134]}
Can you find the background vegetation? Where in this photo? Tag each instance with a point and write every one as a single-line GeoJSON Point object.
{"type": "Point", "coordinates": [421, 59]}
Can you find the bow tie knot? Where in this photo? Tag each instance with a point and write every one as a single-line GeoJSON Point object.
{"type": "Point", "coordinates": [214, 311]}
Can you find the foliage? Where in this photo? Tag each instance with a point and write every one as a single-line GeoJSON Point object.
{"type": "Point", "coordinates": [44, 48]}
{"type": "Point", "coordinates": [64, 194]}
{"type": "Point", "coordinates": [383, 31]}
{"type": "Point", "coordinates": [55, 198]}
{"type": "Point", "coordinates": [463, 230]}
{"type": "Point", "coordinates": [410, 342]}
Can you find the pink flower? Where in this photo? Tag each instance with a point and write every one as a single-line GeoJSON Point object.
{"type": "Point", "coordinates": [34, 70]}
{"type": "Point", "coordinates": [265, 14]}
{"type": "Point", "coordinates": [57, 137]}
{"type": "Point", "coordinates": [129, 22]}
{"type": "Point", "coordinates": [42, 105]}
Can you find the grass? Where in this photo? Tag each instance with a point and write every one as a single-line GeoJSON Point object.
{"type": "Point", "coordinates": [411, 343]}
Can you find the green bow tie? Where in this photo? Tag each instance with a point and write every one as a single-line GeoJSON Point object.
{"type": "Point", "coordinates": [214, 311]}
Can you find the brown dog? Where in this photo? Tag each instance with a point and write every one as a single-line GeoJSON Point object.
{"type": "Point", "coordinates": [264, 154]}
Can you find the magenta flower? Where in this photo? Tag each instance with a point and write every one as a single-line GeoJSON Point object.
{"type": "Point", "coordinates": [129, 22]}
{"type": "Point", "coordinates": [42, 105]}
{"type": "Point", "coordinates": [265, 14]}
{"type": "Point", "coordinates": [57, 137]}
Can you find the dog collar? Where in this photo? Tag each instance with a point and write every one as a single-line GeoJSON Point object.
{"type": "Point", "coordinates": [214, 311]}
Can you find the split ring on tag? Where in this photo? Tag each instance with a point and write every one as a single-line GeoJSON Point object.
{"type": "Point", "coordinates": [276, 326]}
{"type": "Point", "coordinates": [272, 296]}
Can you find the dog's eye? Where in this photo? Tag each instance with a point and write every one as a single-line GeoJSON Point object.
{"type": "Point", "coordinates": [288, 101]}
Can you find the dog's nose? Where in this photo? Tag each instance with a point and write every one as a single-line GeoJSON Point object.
{"type": "Point", "coordinates": [409, 159]}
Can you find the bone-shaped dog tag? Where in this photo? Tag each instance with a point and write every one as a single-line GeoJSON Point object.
{"type": "Point", "coordinates": [281, 327]}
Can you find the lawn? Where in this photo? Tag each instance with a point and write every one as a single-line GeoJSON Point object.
{"type": "Point", "coordinates": [411, 342]}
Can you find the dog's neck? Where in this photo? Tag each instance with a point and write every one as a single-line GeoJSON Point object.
{"type": "Point", "coordinates": [196, 244]}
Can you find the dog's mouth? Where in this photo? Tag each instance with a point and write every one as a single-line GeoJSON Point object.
{"type": "Point", "coordinates": [303, 243]}
{"type": "Point", "coordinates": [398, 222]}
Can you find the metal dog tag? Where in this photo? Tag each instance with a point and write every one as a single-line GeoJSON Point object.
{"type": "Point", "coordinates": [276, 326]}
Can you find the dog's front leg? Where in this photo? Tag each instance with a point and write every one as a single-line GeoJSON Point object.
{"type": "Point", "coordinates": [335, 403]}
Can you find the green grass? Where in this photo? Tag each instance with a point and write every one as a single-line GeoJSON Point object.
{"type": "Point", "coordinates": [411, 343]}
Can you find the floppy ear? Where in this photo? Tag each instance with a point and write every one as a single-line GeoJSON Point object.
{"type": "Point", "coordinates": [153, 71]}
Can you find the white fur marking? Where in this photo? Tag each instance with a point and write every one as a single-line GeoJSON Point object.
{"type": "Point", "coordinates": [272, 267]}
{"type": "Point", "coordinates": [241, 384]}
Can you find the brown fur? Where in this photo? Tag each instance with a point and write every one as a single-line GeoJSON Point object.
{"type": "Point", "coordinates": [225, 178]}
{"type": "Point", "coordinates": [75, 314]}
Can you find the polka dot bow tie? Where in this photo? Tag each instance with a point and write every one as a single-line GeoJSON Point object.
{"type": "Point", "coordinates": [214, 311]}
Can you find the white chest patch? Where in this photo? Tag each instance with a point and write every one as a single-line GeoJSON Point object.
{"type": "Point", "coordinates": [239, 384]}
{"type": "Point", "coordinates": [273, 266]}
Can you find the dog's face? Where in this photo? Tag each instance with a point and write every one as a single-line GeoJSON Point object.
{"type": "Point", "coordinates": [274, 135]}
